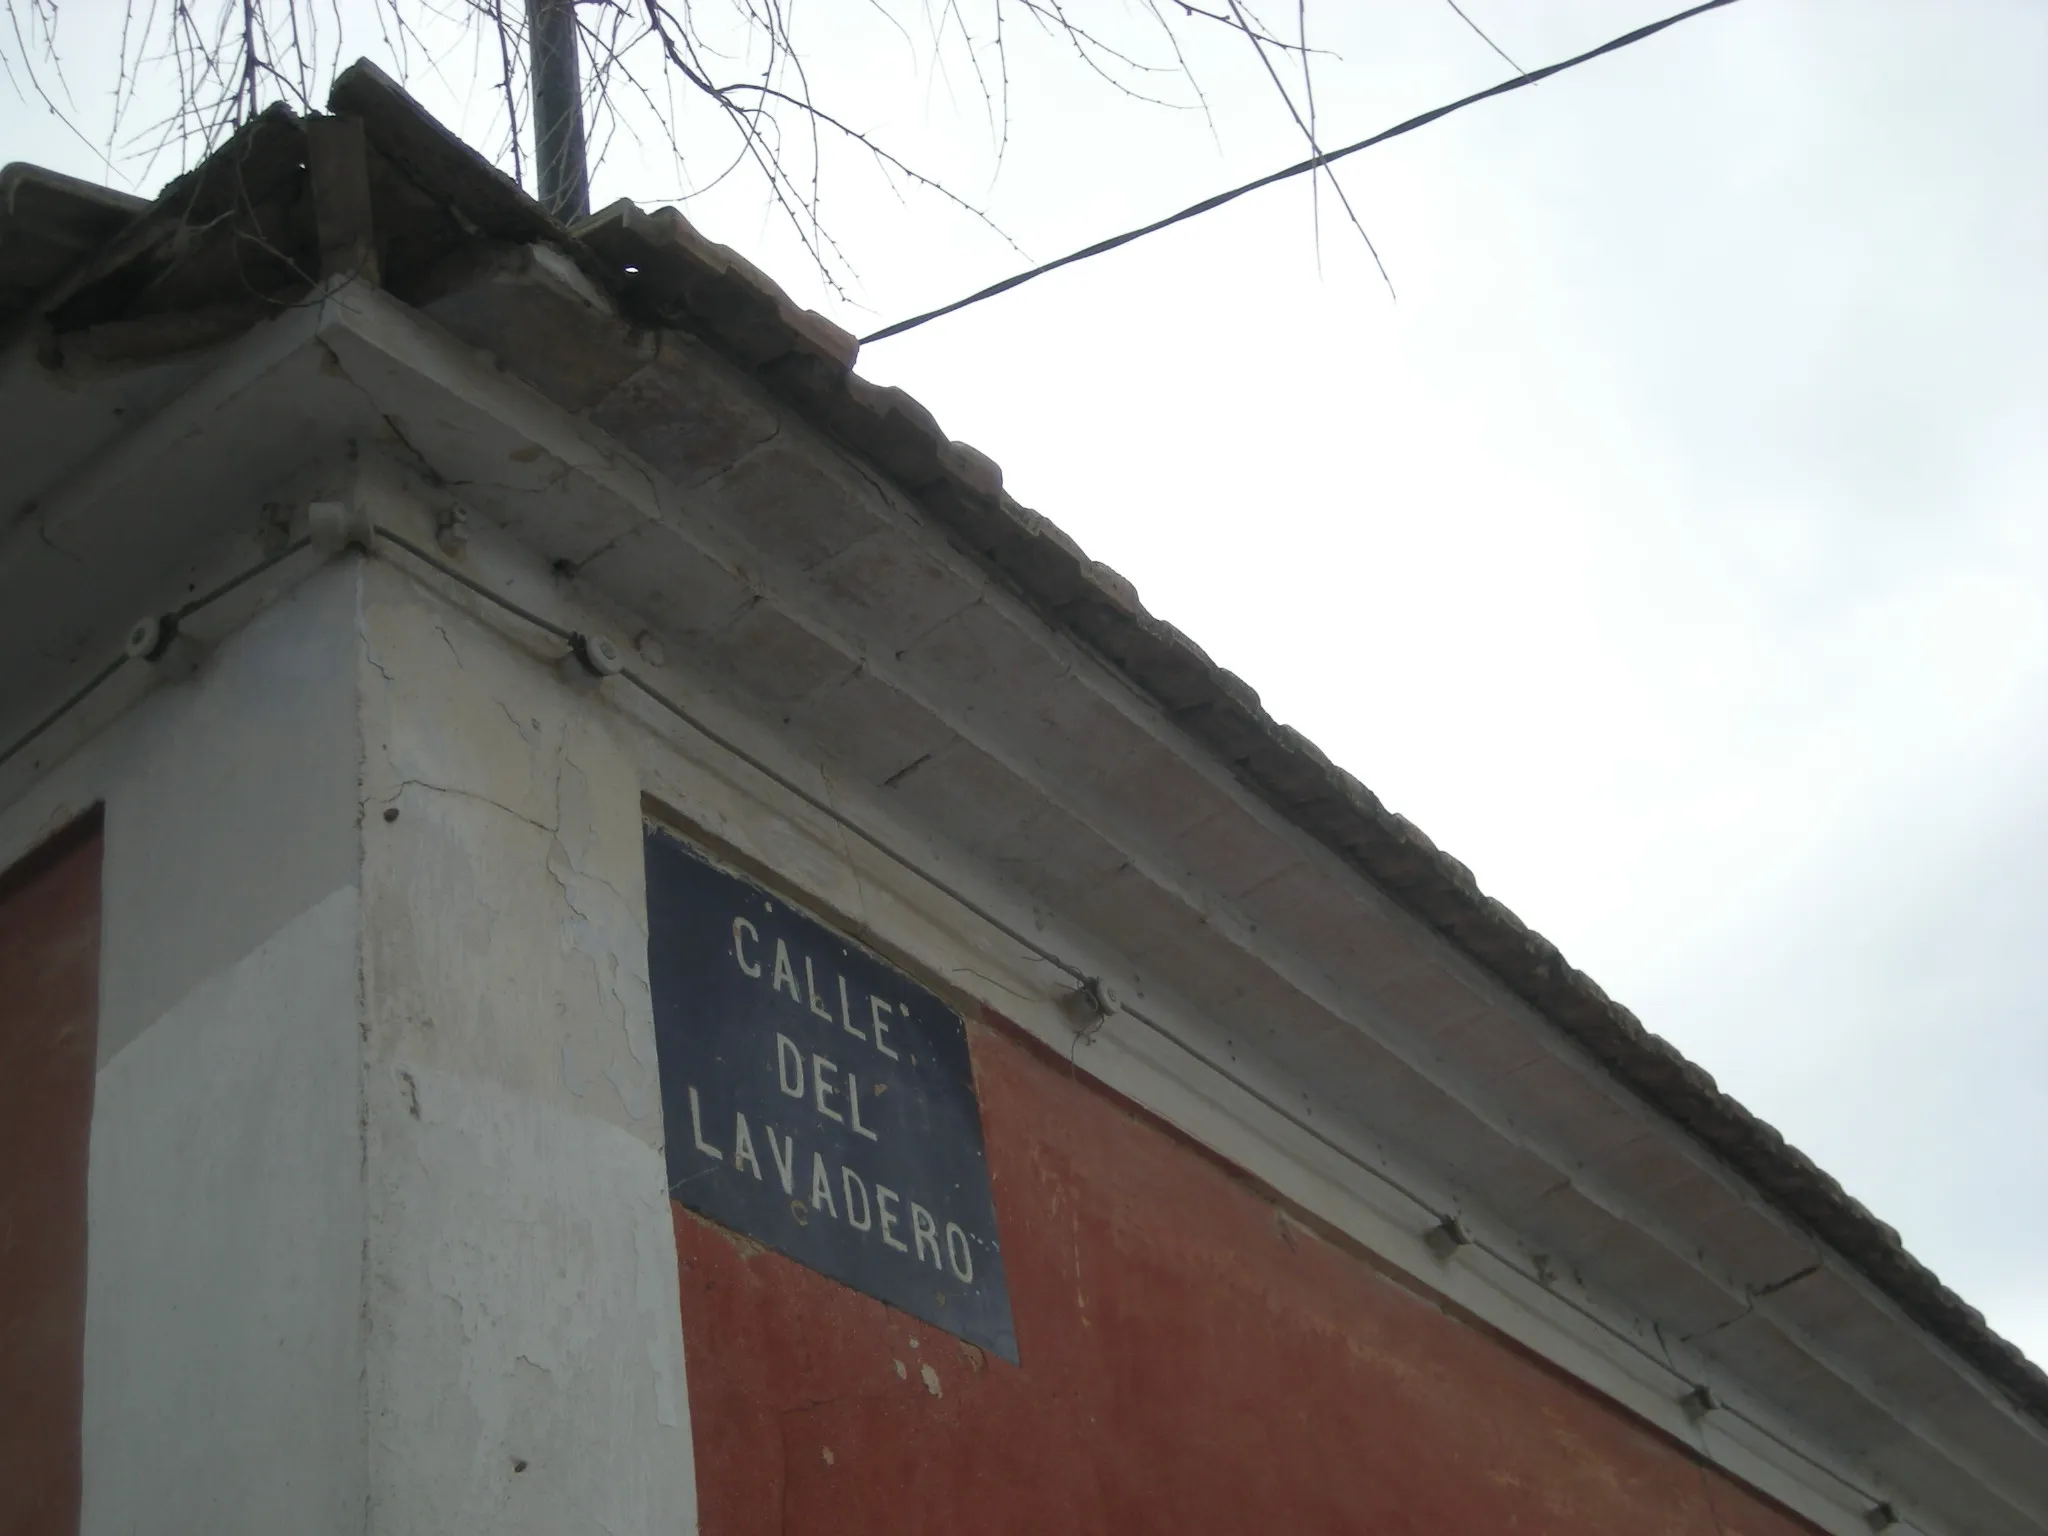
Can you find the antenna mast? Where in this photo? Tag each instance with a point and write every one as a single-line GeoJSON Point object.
{"type": "Point", "coordinates": [564, 172]}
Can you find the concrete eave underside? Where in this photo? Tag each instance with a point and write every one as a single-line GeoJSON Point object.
{"type": "Point", "coordinates": [813, 597]}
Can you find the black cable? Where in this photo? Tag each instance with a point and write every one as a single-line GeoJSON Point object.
{"type": "Point", "coordinates": [726, 744]}
{"type": "Point", "coordinates": [1314, 162]}
{"type": "Point", "coordinates": [170, 622]}
{"type": "Point", "coordinates": [827, 810]}
{"type": "Point", "coordinates": [65, 708]}
{"type": "Point", "coordinates": [547, 626]}
{"type": "Point", "coordinates": [209, 598]}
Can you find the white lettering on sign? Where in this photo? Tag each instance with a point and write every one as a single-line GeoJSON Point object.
{"type": "Point", "coordinates": [743, 1155]}
{"type": "Point", "coordinates": [789, 1066]}
{"type": "Point", "coordinates": [850, 1183]}
{"type": "Point", "coordinates": [853, 1108]}
{"type": "Point", "coordinates": [875, 1172]}
{"type": "Point", "coordinates": [820, 1070]}
{"type": "Point", "coordinates": [885, 1211]}
{"type": "Point", "coordinates": [925, 1232]}
{"type": "Point", "coordinates": [959, 1253]}
{"type": "Point", "coordinates": [746, 942]}
{"type": "Point", "coordinates": [785, 1160]}
{"type": "Point", "coordinates": [697, 1128]}
{"type": "Point", "coordinates": [817, 1003]}
{"type": "Point", "coordinates": [821, 1186]}
{"type": "Point", "coordinates": [947, 1248]}
{"type": "Point", "coordinates": [741, 925]}
{"type": "Point", "coordinates": [823, 1072]}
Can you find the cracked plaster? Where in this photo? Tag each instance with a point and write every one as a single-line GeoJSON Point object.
{"type": "Point", "coordinates": [520, 1257]}
{"type": "Point", "coordinates": [498, 775]}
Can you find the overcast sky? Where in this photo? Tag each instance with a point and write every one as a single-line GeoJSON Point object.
{"type": "Point", "coordinates": [1670, 545]}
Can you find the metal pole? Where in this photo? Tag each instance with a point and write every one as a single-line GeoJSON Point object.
{"type": "Point", "coordinates": [558, 110]}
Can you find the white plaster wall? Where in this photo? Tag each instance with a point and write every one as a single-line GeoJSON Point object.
{"type": "Point", "coordinates": [525, 1353]}
{"type": "Point", "coordinates": [379, 1234]}
{"type": "Point", "coordinates": [223, 1335]}
{"type": "Point", "coordinates": [223, 1302]}
{"type": "Point", "coordinates": [233, 806]}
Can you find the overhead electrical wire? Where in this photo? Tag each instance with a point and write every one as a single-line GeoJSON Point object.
{"type": "Point", "coordinates": [77, 697]}
{"type": "Point", "coordinates": [147, 642]}
{"type": "Point", "coordinates": [1313, 163]}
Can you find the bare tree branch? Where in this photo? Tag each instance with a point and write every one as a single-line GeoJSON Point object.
{"type": "Point", "coordinates": [746, 60]}
{"type": "Point", "coordinates": [1308, 132]}
{"type": "Point", "coordinates": [1481, 35]}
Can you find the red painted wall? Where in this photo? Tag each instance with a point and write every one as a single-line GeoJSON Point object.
{"type": "Point", "coordinates": [1193, 1361]}
{"type": "Point", "coordinates": [49, 1025]}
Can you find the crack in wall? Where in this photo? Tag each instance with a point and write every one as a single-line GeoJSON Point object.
{"type": "Point", "coordinates": [1752, 1295]}
{"type": "Point", "coordinates": [442, 631]}
{"type": "Point", "coordinates": [574, 568]}
{"type": "Point", "coordinates": [1790, 1280]}
{"type": "Point", "coordinates": [463, 794]}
